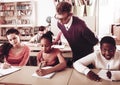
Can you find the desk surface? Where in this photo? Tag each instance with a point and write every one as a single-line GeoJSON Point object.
{"type": "Point", "coordinates": [69, 76]}
{"type": "Point", "coordinates": [24, 76]}
{"type": "Point", "coordinates": [80, 79]}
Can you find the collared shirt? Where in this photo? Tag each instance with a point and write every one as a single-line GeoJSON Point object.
{"type": "Point", "coordinates": [67, 26]}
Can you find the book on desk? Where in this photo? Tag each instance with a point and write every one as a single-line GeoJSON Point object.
{"type": "Point", "coordinates": [7, 71]}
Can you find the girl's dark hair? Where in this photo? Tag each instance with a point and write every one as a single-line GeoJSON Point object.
{"type": "Point", "coordinates": [47, 35]}
{"type": "Point", "coordinates": [11, 31]}
{"type": "Point", "coordinates": [4, 50]}
{"type": "Point", "coordinates": [108, 39]}
{"type": "Point", "coordinates": [63, 7]}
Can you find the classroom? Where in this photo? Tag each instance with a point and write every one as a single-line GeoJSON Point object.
{"type": "Point", "coordinates": [31, 19]}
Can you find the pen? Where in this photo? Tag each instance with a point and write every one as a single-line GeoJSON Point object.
{"type": "Point", "coordinates": [108, 67]}
{"type": "Point", "coordinates": [40, 66]}
{"type": "Point", "coordinates": [109, 75]}
{"type": "Point", "coordinates": [116, 80]}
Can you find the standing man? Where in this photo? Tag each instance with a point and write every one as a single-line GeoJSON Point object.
{"type": "Point", "coordinates": [80, 38]}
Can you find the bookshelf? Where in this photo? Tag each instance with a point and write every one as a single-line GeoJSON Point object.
{"type": "Point", "coordinates": [20, 15]}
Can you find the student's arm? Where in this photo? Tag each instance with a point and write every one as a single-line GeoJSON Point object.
{"type": "Point", "coordinates": [33, 39]}
{"type": "Point", "coordinates": [81, 66]}
{"type": "Point", "coordinates": [61, 65]}
{"type": "Point", "coordinates": [25, 57]}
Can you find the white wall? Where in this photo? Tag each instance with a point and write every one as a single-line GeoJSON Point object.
{"type": "Point", "coordinates": [44, 8]}
{"type": "Point", "coordinates": [109, 13]}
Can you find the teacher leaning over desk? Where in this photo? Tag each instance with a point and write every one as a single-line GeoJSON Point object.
{"type": "Point", "coordinates": [80, 38]}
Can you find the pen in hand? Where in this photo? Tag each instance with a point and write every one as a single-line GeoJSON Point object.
{"type": "Point", "coordinates": [40, 66]}
{"type": "Point", "coordinates": [109, 75]}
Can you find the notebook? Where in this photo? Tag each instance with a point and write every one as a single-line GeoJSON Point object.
{"type": "Point", "coordinates": [115, 75]}
{"type": "Point", "coordinates": [8, 71]}
{"type": "Point", "coordinates": [46, 76]}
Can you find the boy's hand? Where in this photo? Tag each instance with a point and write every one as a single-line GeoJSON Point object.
{"type": "Point", "coordinates": [109, 74]}
{"type": "Point", "coordinates": [91, 75]}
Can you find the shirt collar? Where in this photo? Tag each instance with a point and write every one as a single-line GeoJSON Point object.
{"type": "Point", "coordinates": [67, 26]}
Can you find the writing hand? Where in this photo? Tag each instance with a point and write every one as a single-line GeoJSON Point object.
{"type": "Point", "coordinates": [41, 72]}
{"type": "Point", "coordinates": [109, 74]}
{"type": "Point", "coordinates": [6, 65]}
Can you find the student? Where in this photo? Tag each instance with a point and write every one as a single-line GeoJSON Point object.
{"type": "Point", "coordinates": [14, 52]}
{"type": "Point", "coordinates": [80, 38]}
{"type": "Point", "coordinates": [105, 58]}
{"type": "Point", "coordinates": [36, 38]}
{"type": "Point", "coordinates": [49, 56]}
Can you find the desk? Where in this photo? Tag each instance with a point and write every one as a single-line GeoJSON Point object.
{"type": "Point", "coordinates": [80, 79]}
{"type": "Point", "coordinates": [24, 76]}
{"type": "Point", "coordinates": [35, 48]}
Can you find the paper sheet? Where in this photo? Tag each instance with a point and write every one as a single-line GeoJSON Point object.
{"type": "Point", "coordinates": [46, 76]}
{"type": "Point", "coordinates": [58, 46]}
{"type": "Point", "coordinates": [8, 71]}
{"type": "Point", "coordinates": [115, 75]}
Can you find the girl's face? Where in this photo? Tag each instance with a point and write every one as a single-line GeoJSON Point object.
{"type": "Point", "coordinates": [13, 39]}
{"type": "Point", "coordinates": [107, 50]}
{"type": "Point", "coordinates": [45, 45]}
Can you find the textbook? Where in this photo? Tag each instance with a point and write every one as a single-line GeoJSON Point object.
{"type": "Point", "coordinates": [46, 76]}
{"type": "Point", "coordinates": [12, 69]}
{"type": "Point", "coordinates": [115, 75]}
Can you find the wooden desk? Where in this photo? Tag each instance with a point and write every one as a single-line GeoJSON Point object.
{"type": "Point", "coordinates": [24, 76]}
{"type": "Point", "coordinates": [80, 79]}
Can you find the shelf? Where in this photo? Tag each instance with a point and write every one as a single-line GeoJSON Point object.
{"type": "Point", "coordinates": [18, 14]}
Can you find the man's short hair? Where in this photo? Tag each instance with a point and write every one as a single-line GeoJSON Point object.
{"type": "Point", "coordinates": [63, 7]}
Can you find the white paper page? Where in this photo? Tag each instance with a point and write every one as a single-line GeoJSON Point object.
{"type": "Point", "coordinates": [46, 76]}
{"type": "Point", "coordinates": [8, 71]}
{"type": "Point", "coordinates": [59, 46]}
{"type": "Point", "coordinates": [115, 75]}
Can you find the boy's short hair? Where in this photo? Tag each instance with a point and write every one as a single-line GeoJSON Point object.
{"type": "Point", "coordinates": [108, 39]}
{"type": "Point", "coordinates": [63, 7]}
{"type": "Point", "coordinates": [42, 28]}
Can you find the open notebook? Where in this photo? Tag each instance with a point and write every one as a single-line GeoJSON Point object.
{"type": "Point", "coordinates": [46, 76]}
{"type": "Point", "coordinates": [8, 71]}
{"type": "Point", "coordinates": [115, 75]}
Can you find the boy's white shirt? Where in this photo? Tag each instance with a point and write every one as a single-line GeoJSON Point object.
{"type": "Point", "coordinates": [98, 61]}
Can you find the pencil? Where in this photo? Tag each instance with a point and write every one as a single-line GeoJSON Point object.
{"type": "Point", "coordinates": [108, 67]}
{"type": "Point", "coordinates": [40, 66]}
